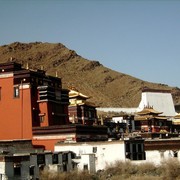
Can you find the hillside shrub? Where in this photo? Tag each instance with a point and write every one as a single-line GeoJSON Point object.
{"type": "Point", "coordinates": [167, 170]}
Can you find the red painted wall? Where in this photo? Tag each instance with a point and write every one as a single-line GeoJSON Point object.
{"type": "Point", "coordinates": [43, 107]}
{"type": "Point", "coordinates": [47, 143]}
{"type": "Point", "coordinates": [16, 119]}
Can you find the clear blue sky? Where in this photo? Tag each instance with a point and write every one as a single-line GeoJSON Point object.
{"type": "Point", "coordinates": [137, 37]}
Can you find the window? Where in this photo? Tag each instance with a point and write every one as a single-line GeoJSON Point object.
{"type": "Point", "coordinates": [134, 150]}
{"type": "Point", "coordinates": [90, 115]}
{"type": "Point", "coordinates": [17, 169]}
{"type": "Point", "coordinates": [41, 118]}
{"type": "Point", "coordinates": [85, 167]}
{"type": "Point", "coordinates": [175, 153]}
{"type": "Point", "coordinates": [40, 159]}
{"type": "Point", "coordinates": [65, 167]}
{"type": "Point", "coordinates": [16, 92]}
{"type": "Point", "coordinates": [55, 158]}
{"type": "Point", "coordinates": [65, 157]}
{"type": "Point", "coordinates": [94, 149]}
{"type": "Point", "coordinates": [58, 94]}
{"type": "Point", "coordinates": [31, 170]}
{"type": "Point", "coordinates": [139, 147]}
{"type": "Point", "coordinates": [33, 90]}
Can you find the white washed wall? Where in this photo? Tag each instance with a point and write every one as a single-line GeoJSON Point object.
{"type": "Point", "coordinates": [107, 152]}
{"type": "Point", "coordinates": [88, 159]}
{"type": "Point", "coordinates": [157, 157]}
{"type": "Point", "coordinates": [48, 159]}
{"type": "Point", "coordinates": [9, 169]}
{"type": "Point", "coordinates": [161, 102]}
{"type": "Point", "coordinates": [33, 161]}
{"type": "Point", "coordinates": [3, 176]}
{"type": "Point", "coordinates": [25, 169]}
{"type": "Point", "coordinates": [110, 152]}
{"type": "Point", "coordinates": [2, 167]}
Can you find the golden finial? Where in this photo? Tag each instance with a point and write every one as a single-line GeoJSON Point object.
{"type": "Point", "coordinates": [56, 74]}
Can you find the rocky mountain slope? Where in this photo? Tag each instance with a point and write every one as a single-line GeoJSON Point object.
{"type": "Point", "coordinates": [107, 88]}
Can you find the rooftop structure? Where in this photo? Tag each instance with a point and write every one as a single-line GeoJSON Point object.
{"type": "Point", "coordinates": [149, 120]}
{"type": "Point", "coordinates": [161, 100]}
{"type": "Point", "coordinates": [80, 110]}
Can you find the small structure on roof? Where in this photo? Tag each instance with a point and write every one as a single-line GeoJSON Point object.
{"type": "Point", "coordinates": [149, 120]}
{"type": "Point", "coordinates": [80, 110]}
{"type": "Point", "coordinates": [160, 99]}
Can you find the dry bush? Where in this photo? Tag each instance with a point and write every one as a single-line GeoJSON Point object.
{"type": "Point", "coordinates": [170, 169]}
{"type": "Point", "coordinates": [148, 169]}
{"type": "Point", "coordinates": [119, 169]}
{"type": "Point", "coordinates": [145, 177]}
{"type": "Point", "coordinates": [128, 170]}
{"type": "Point", "coordinates": [75, 175]}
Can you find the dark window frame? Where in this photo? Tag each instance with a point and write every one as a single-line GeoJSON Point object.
{"type": "Point", "coordinates": [55, 159]}
{"type": "Point", "coordinates": [31, 171]}
{"type": "Point", "coordinates": [135, 150]}
{"type": "Point", "coordinates": [17, 170]}
{"type": "Point", "coordinates": [16, 91]}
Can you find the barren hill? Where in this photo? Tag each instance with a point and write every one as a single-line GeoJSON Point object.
{"type": "Point", "coordinates": [107, 88]}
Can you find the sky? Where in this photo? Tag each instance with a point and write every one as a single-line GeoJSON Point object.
{"type": "Point", "coordinates": [140, 38]}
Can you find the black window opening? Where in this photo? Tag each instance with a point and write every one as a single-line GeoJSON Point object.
{"type": "Point", "coordinates": [73, 155]}
{"type": "Point", "coordinates": [94, 149]}
{"type": "Point", "coordinates": [40, 159]}
{"type": "Point", "coordinates": [41, 118]}
{"type": "Point", "coordinates": [55, 158]}
{"type": "Point", "coordinates": [65, 167]}
{"type": "Point", "coordinates": [16, 92]}
{"type": "Point", "coordinates": [175, 154]}
{"type": "Point", "coordinates": [140, 147]}
{"type": "Point", "coordinates": [34, 91]}
{"type": "Point", "coordinates": [17, 170]}
{"type": "Point", "coordinates": [65, 157]}
{"type": "Point", "coordinates": [31, 170]}
{"type": "Point", "coordinates": [85, 167]}
{"type": "Point", "coordinates": [135, 150]}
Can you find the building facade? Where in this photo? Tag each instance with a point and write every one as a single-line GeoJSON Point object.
{"type": "Point", "coordinates": [36, 107]}
{"type": "Point", "coordinates": [19, 159]}
{"type": "Point", "coordinates": [150, 120]}
{"type": "Point", "coordinates": [30, 165]}
{"type": "Point", "coordinates": [80, 110]}
{"type": "Point", "coordinates": [133, 149]}
{"type": "Point", "coordinates": [29, 100]}
{"type": "Point", "coordinates": [104, 153]}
